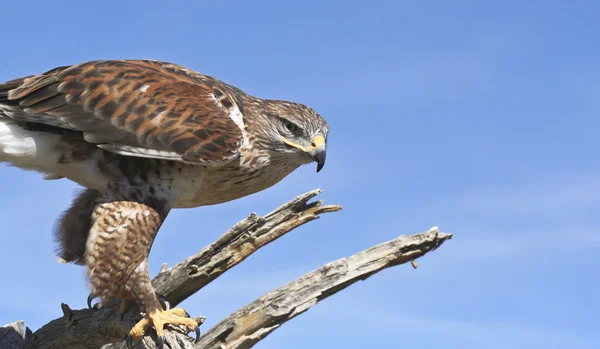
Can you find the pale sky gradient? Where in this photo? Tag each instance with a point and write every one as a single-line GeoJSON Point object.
{"type": "Point", "coordinates": [478, 117]}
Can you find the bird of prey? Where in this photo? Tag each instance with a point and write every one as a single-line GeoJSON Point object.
{"type": "Point", "coordinates": [144, 137]}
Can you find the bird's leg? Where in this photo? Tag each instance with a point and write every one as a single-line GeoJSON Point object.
{"type": "Point", "coordinates": [124, 226]}
{"type": "Point", "coordinates": [155, 315]}
{"type": "Point", "coordinates": [127, 302]}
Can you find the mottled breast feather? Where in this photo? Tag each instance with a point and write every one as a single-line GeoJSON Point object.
{"type": "Point", "coordinates": [139, 108]}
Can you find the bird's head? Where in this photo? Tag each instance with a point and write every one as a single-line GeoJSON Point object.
{"type": "Point", "coordinates": [291, 131]}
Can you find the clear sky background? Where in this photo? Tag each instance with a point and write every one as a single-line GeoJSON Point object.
{"type": "Point", "coordinates": [479, 117]}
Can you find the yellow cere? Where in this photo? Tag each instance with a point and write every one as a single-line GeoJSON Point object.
{"type": "Point", "coordinates": [316, 143]}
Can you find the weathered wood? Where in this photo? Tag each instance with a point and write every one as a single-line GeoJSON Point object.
{"type": "Point", "coordinates": [186, 278]}
{"type": "Point", "coordinates": [12, 335]}
{"type": "Point", "coordinates": [250, 324]}
{"type": "Point", "coordinates": [91, 328]}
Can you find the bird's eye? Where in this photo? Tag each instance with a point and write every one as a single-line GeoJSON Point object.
{"type": "Point", "coordinates": [290, 126]}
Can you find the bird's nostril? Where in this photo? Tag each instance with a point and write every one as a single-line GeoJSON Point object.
{"type": "Point", "coordinates": [314, 144]}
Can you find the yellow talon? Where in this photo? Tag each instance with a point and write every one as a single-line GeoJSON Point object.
{"type": "Point", "coordinates": [158, 319]}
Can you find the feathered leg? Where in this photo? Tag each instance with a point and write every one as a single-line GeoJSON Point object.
{"type": "Point", "coordinates": [124, 226]}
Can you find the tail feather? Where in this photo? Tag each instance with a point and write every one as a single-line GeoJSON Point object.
{"type": "Point", "coordinates": [49, 150]}
{"type": "Point", "coordinates": [28, 142]}
{"type": "Point", "coordinates": [27, 149]}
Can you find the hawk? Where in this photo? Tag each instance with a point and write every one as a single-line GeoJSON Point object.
{"type": "Point", "coordinates": [144, 137]}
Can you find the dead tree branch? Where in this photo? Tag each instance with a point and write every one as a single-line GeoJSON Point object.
{"type": "Point", "coordinates": [250, 324]}
{"type": "Point", "coordinates": [92, 328]}
{"type": "Point", "coordinates": [252, 233]}
{"type": "Point", "coordinates": [11, 335]}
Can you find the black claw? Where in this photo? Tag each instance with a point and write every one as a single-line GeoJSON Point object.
{"type": "Point", "coordinates": [129, 341]}
{"type": "Point", "coordinates": [90, 298]}
{"type": "Point", "coordinates": [197, 330]}
{"type": "Point", "coordinates": [160, 342]}
{"type": "Point", "coordinates": [165, 301]}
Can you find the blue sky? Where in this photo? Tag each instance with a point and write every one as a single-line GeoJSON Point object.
{"type": "Point", "coordinates": [478, 117]}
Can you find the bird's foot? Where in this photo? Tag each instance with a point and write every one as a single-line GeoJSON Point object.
{"type": "Point", "coordinates": [158, 319]}
{"type": "Point", "coordinates": [128, 303]}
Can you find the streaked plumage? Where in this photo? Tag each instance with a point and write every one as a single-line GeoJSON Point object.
{"type": "Point", "coordinates": [144, 137]}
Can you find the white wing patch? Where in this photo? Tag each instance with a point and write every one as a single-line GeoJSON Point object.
{"type": "Point", "coordinates": [236, 116]}
{"type": "Point", "coordinates": [234, 112]}
{"type": "Point", "coordinates": [140, 152]}
{"type": "Point", "coordinates": [128, 150]}
{"type": "Point", "coordinates": [158, 118]}
{"type": "Point", "coordinates": [214, 99]}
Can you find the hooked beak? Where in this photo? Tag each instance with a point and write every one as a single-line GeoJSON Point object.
{"type": "Point", "coordinates": [318, 151]}
{"type": "Point", "coordinates": [319, 156]}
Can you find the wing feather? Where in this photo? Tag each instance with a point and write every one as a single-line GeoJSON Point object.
{"type": "Point", "coordinates": [138, 108]}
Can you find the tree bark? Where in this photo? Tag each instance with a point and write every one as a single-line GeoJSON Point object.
{"type": "Point", "coordinates": [243, 239]}
{"type": "Point", "coordinates": [11, 335]}
{"type": "Point", "coordinates": [92, 328]}
{"type": "Point", "coordinates": [250, 324]}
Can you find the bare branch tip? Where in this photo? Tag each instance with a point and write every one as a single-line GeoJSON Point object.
{"type": "Point", "coordinates": [200, 319]}
{"type": "Point", "coordinates": [317, 210]}
{"type": "Point", "coordinates": [67, 312]}
{"type": "Point", "coordinates": [331, 208]}
{"type": "Point", "coordinates": [317, 203]}
{"type": "Point", "coordinates": [311, 194]}
{"type": "Point", "coordinates": [439, 235]}
{"type": "Point", "coordinates": [28, 333]}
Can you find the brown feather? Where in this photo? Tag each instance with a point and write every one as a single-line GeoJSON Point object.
{"type": "Point", "coordinates": [123, 227]}
{"type": "Point", "coordinates": [73, 227]}
{"type": "Point", "coordinates": [148, 108]}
